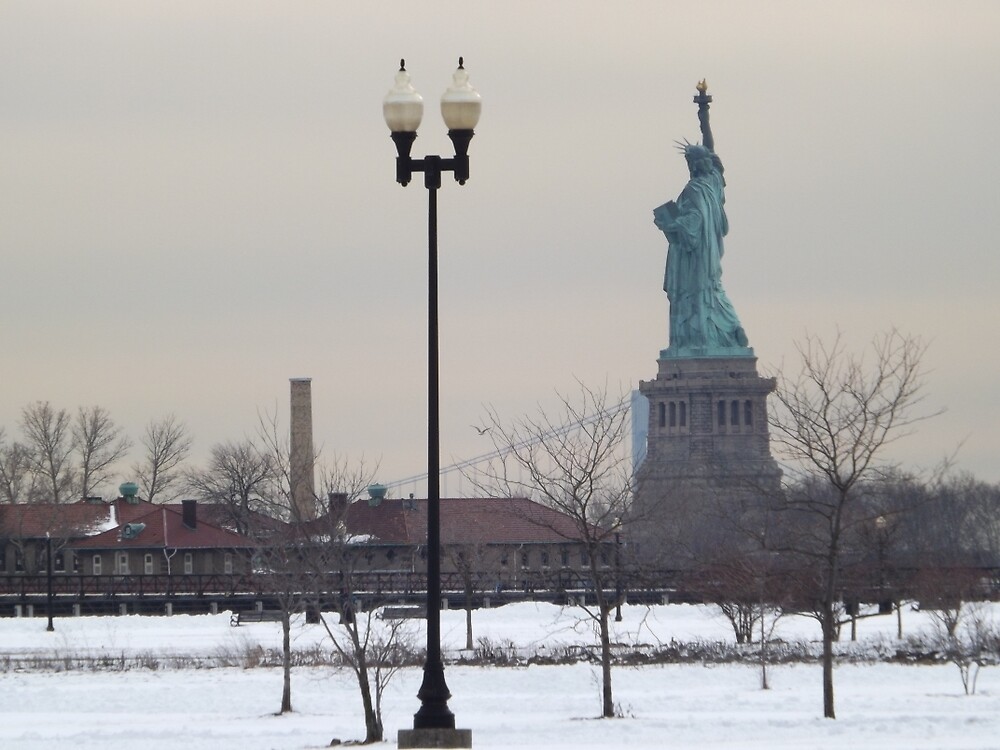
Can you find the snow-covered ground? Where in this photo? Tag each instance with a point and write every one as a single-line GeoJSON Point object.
{"type": "Point", "coordinates": [884, 706]}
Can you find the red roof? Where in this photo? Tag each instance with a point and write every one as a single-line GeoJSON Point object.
{"type": "Point", "coordinates": [72, 520]}
{"type": "Point", "coordinates": [463, 521]}
{"type": "Point", "coordinates": [164, 528]}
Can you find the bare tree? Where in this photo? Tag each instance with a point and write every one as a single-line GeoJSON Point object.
{"type": "Point", "coordinates": [375, 650]}
{"type": "Point", "coordinates": [100, 443]}
{"type": "Point", "coordinates": [974, 646]}
{"type": "Point", "coordinates": [945, 593]}
{"type": "Point", "coordinates": [833, 423]}
{"type": "Point", "coordinates": [49, 445]}
{"type": "Point", "coordinates": [324, 556]}
{"type": "Point", "coordinates": [282, 549]}
{"type": "Point", "coordinates": [304, 560]}
{"type": "Point", "coordinates": [575, 462]}
{"type": "Point", "coordinates": [747, 587]}
{"type": "Point", "coordinates": [470, 562]}
{"type": "Point", "coordinates": [167, 444]}
{"type": "Point", "coordinates": [279, 558]}
{"type": "Point", "coordinates": [17, 483]}
{"type": "Point", "coordinates": [240, 477]}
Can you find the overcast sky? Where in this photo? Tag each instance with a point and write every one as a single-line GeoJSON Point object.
{"type": "Point", "coordinates": [197, 202]}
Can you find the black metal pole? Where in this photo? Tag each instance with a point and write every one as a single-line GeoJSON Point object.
{"type": "Point", "coordinates": [48, 580]}
{"type": "Point", "coordinates": [433, 694]}
{"type": "Point", "coordinates": [618, 578]}
{"type": "Point", "coordinates": [434, 712]}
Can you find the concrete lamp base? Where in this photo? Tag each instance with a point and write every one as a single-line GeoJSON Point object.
{"type": "Point", "coordinates": [411, 739]}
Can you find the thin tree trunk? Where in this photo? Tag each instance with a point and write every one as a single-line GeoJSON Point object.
{"type": "Point", "coordinates": [829, 623]}
{"type": "Point", "coordinates": [468, 617]}
{"type": "Point", "coordinates": [828, 632]}
{"type": "Point", "coordinates": [763, 651]}
{"type": "Point", "coordinates": [609, 703]}
{"type": "Point", "coordinates": [373, 727]}
{"type": "Point", "coordinates": [286, 662]}
{"type": "Point", "coordinates": [373, 724]}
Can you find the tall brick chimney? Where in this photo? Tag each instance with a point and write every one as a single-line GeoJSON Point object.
{"type": "Point", "coordinates": [301, 470]}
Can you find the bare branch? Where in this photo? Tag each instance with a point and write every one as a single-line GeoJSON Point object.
{"type": "Point", "coordinates": [100, 443]}
{"type": "Point", "coordinates": [49, 445]}
{"type": "Point", "coordinates": [167, 444]}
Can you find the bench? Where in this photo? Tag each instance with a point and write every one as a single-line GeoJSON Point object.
{"type": "Point", "coordinates": [402, 613]}
{"type": "Point", "coordinates": [264, 615]}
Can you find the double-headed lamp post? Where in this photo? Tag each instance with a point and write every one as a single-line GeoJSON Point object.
{"type": "Point", "coordinates": [403, 110]}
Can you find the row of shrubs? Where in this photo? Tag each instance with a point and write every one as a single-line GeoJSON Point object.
{"type": "Point", "coordinates": [915, 650]}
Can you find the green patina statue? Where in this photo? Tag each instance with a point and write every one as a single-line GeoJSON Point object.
{"type": "Point", "coordinates": [703, 322]}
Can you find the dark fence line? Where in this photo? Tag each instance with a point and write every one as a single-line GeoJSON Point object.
{"type": "Point", "coordinates": [22, 585]}
{"type": "Point", "coordinates": [677, 585]}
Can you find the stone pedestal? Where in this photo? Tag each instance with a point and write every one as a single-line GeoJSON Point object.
{"type": "Point", "coordinates": [434, 738]}
{"type": "Point", "coordinates": [707, 438]}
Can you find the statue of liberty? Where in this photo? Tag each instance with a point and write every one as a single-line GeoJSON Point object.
{"type": "Point", "coordinates": [703, 321]}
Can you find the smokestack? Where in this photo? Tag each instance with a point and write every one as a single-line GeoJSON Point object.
{"type": "Point", "coordinates": [300, 453]}
{"type": "Point", "coordinates": [189, 513]}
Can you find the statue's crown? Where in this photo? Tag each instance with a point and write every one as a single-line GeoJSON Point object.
{"type": "Point", "coordinates": [693, 150]}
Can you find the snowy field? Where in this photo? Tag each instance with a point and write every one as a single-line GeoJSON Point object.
{"type": "Point", "coordinates": [884, 706]}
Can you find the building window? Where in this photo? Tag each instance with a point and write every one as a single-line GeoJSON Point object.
{"type": "Point", "coordinates": [683, 413]}
{"type": "Point", "coordinates": [748, 413]}
{"type": "Point", "coordinates": [97, 565]}
{"type": "Point", "coordinates": [734, 413]}
{"type": "Point", "coordinates": [76, 562]}
{"type": "Point", "coordinates": [188, 563]}
{"type": "Point", "coordinates": [584, 559]}
{"type": "Point", "coordinates": [722, 414]}
{"type": "Point", "coordinates": [147, 564]}
{"type": "Point", "coordinates": [3, 560]}
{"type": "Point", "coordinates": [503, 559]}
{"type": "Point", "coordinates": [122, 558]}
{"type": "Point", "coordinates": [662, 419]}
{"type": "Point", "coordinates": [564, 558]}
{"type": "Point", "coordinates": [59, 563]}
{"type": "Point", "coordinates": [525, 560]}
{"type": "Point", "coordinates": [545, 558]}
{"type": "Point", "coordinates": [673, 414]}
{"type": "Point", "coordinates": [227, 564]}
{"type": "Point", "coordinates": [19, 562]}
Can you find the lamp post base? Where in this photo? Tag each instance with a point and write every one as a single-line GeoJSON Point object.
{"type": "Point", "coordinates": [434, 738]}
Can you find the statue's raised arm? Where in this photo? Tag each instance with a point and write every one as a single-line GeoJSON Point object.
{"type": "Point", "coordinates": [702, 319]}
{"type": "Point", "coordinates": [703, 99]}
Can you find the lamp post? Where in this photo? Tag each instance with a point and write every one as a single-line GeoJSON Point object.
{"type": "Point", "coordinates": [48, 579]}
{"type": "Point", "coordinates": [618, 576]}
{"type": "Point", "coordinates": [434, 723]}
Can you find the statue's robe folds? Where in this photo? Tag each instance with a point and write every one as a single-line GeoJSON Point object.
{"type": "Point", "coordinates": [701, 315]}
